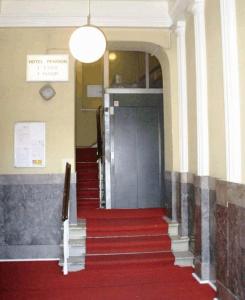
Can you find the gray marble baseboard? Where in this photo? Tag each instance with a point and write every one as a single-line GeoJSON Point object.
{"type": "Point", "coordinates": [30, 252]}
{"type": "Point", "coordinates": [205, 199]}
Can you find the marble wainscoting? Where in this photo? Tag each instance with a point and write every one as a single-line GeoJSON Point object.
{"type": "Point", "coordinates": [187, 207]}
{"type": "Point", "coordinates": [30, 215]}
{"type": "Point", "coordinates": [205, 228]}
{"type": "Point", "coordinates": [172, 194]}
{"type": "Point", "coordinates": [230, 240]}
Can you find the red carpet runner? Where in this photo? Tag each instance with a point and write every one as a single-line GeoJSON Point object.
{"type": "Point", "coordinates": [135, 238]}
{"type": "Point", "coordinates": [139, 270]}
{"type": "Point", "coordinates": [87, 178]}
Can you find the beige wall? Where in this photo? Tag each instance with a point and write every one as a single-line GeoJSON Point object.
{"type": "Point", "coordinates": [171, 115]}
{"type": "Point", "coordinates": [191, 92]}
{"type": "Point", "coordinates": [216, 108]}
{"type": "Point", "coordinates": [20, 100]}
{"type": "Point", "coordinates": [87, 74]}
{"type": "Point", "coordinates": [241, 44]}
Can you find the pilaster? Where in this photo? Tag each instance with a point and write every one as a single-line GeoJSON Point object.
{"type": "Point", "coordinates": [198, 10]}
{"type": "Point", "coordinates": [231, 90]}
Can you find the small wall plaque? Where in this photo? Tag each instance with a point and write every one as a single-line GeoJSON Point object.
{"type": "Point", "coordinates": [47, 67]}
{"type": "Point", "coordinates": [47, 92]}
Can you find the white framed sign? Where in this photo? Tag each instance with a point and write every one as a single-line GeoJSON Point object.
{"type": "Point", "coordinates": [48, 67]}
{"type": "Point", "coordinates": [29, 145]}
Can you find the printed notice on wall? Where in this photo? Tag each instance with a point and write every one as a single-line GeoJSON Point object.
{"type": "Point", "coordinates": [29, 145]}
{"type": "Point", "coordinates": [49, 67]}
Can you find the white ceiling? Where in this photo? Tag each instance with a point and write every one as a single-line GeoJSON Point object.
{"type": "Point", "coordinates": [115, 13]}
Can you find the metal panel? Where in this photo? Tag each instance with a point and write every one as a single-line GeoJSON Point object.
{"type": "Point", "coordinates": [149, 185]}
{"type": "Point", "coordinates": [135, 145]}
{"type": "Point", "coordinates": [125, 158]}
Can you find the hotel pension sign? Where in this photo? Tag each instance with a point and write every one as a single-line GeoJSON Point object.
{"type": "Point", "coordinates": [48, 67]}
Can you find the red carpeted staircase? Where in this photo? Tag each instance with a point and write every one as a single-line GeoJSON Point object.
{"type": "Point", "coordinates": [87, 179]}
{"type": "Point", "coordinates": [129, 238]}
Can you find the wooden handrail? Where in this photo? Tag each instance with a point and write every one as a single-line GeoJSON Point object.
{"type": "Point", "coordinates": [66, 193]}
{"type": "Point", "coordinates": [99, 134]}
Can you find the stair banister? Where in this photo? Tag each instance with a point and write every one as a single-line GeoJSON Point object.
{"type": "Point", "coordinates": [65, 217]}
{"type": "Point", "coordinates": [100, 151]}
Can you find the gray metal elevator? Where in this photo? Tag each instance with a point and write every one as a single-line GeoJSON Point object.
{"type": "Point", "coordinates": [134, 149]}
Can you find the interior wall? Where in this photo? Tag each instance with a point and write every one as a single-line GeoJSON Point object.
{"type": "Point", "coordinates": [167, 111]}
{"type": "Point", "coordinates": [87, 74]}
{"type": "Point", "coordinates": [191, 94]}
{"type": "Point", "coordinates": [161, 40]}
{"type": "Point", "coordinates": [20, 100]}
{"type": "Point", "coordinates": [216, 108]}
{"type": "Point", "coordinates": [171, 115]}
{"type": "Point", "coordinates": [241, 50]}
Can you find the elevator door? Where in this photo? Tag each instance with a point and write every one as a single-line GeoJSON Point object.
{"type": "Point", "coordinates": [137, 147]}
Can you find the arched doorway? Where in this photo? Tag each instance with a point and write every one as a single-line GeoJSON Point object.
{"type": "Point", "coordinates": [134, 139]}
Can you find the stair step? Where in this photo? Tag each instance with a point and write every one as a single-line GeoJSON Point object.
{"type": "Point", "coordinates": [132, 260]}
{"type": "Point", "coordinates": [93, 193]}
{"type": "Point", "coordinates": [86, 154]}
{"type": "Point", "coordinates": [118, 227]}
{"type": "Point", "coordinates": [180, 244]}
{"type": "Point", "coordinates": [128, 244]}
{"type": "Point", "coordinates": [75, 263]}
{"type": "Point", "coordinates": [86, 184]}
{"type": "Point", "coordinates": [87, 175]}
{"type": "Point", "coordinates": [184, 259]}
{"type": "Point", "coordinates": [87, 165]}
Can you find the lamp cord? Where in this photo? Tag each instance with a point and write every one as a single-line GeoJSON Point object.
{"type": "Point", "coordinates": [88, 19]}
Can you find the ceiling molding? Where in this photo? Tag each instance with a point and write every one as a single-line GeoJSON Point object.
{"type": "Point", "coordinates": [60, 13]}
{"type": "Point", "coordinates": [74, 21]}
{"type": "Point", "coordinates": [179, 8]}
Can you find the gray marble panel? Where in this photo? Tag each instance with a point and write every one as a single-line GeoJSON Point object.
{"type": "Point", "coordinates": [205, 198]}
{"type": "Point", "coordinates": [2, 241]}
{"type": "Point", "coordinates": [168, 197]}
{"type": "Point", "coordinates": [183, 209]}
{"type": "Point", "coordinates": [30, 251]}
{"type": "Point", "coordinates": [176, 205]}
{"type": "Point", "coordinates": [198, 241]}
{"type": "Point", "coordinates": [31, 214]}
{"type": "Point", "coordinates": [191, 216]}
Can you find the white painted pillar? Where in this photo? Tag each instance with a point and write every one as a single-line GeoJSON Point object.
{"type": "Point", "coordinates": [182, 95]}
{"type": "Point", "coordinates": [231, 90]}
{"type": "Point", "coordinates": [198, 10]}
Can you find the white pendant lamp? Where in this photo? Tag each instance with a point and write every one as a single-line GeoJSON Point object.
{"type": "Point", "coordinates": [87, 43]}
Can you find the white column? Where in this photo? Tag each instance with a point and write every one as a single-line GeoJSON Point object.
{"type": "Point", "coordinates": [182, 95]}
{"type": "Point", "coordinates": [198, 10]}
{"type": "Point", "coordinates": [231, 90]}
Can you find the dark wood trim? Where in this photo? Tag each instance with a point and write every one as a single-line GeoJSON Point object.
{"type": "Point", "coordinates": [66, 193]}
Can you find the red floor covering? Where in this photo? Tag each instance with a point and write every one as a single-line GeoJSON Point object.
{"type": "Point", "coordinates": [44, 280]}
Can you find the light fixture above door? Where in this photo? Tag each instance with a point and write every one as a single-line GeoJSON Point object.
{"type": "Point", "coordinates": [88, 43]}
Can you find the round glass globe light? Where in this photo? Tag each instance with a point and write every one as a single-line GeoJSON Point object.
{"type": "Point", "coordinates": [87, 44]}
